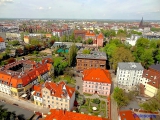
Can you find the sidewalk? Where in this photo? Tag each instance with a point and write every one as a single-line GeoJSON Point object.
{"type": "Point", "coordinates": [22, 103]}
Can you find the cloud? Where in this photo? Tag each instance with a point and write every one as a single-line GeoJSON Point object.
{"type": "Point", "coordinates": [6, 0]}
{"type": "Point", "coordinates": [40, 8]}
{"type": "Point", "coordinates": [49, 7]}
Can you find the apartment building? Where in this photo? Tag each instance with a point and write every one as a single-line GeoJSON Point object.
{"type": "Point", "coordinates": [18, 78]}
{"type": "Point", "coordinates": [2, 44]}
{"type": "Point", "coordinates": [96, 81]}
{"type": "Point", "coordinates": [79, 33]}
{"type": "Point", "coordinates": [95, 59]}
{"type": "Point", "coordinates": [129, 73]}
{"type": "Point", "coordinates": [54, 95]}
{"type": "Point", "coordinates": [100, 40]}
{"type": "Point", "coordinates": [151, 80]}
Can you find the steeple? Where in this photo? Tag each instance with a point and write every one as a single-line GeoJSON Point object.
{"type": "Point", "coordinates": [141, 23]}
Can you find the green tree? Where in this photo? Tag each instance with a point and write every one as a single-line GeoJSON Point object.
{"type": "Point", "coordinates": [143, 42]}
{"type": "Point", "coordinates": [158, 56]}
{"type": "Point", "coordinates": [120, 97]}
{"type": "Point", "coordinates": [89, 41]}
{"type": "Point", "coordinates": [121, 55]}
{"type": "Point", "coordinates": [14, 42]}
{"type": "Point", "coordinates": [147, 58]}
{"type": "Point", "coordinates": [109, 49]}
{"type": "Point", "coordinates": [72, 55]}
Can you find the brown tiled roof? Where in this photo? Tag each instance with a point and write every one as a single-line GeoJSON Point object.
{"type": "Point", "coordinates": [153, 76]}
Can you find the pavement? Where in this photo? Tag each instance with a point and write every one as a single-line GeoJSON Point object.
{"type": "Point", "coordinates": [28, 105]}
{"type": "Point", "coordinates": [20, 112]}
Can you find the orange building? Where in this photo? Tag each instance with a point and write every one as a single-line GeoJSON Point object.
{"type": "Point", "coordinates": [66, 115]}
{"type": "Point", "coordinates": [100, 40]}
{"type": "Point", "coordinates": [2, 44]}
{"type": "Point", "coordinates": [18, 78]}
{"type": "Point", "coordinates": [128, 115]}
{"type": "Point", "coordinates": [97, 81]}
{"type": "Point", "coordinates": [54, 95]}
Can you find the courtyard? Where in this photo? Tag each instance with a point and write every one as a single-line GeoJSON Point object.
{"type": "Point", "coordinates": [94, 107]}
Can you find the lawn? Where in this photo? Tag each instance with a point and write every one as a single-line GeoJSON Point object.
{"type": "Point", "coordinates": [87, 107]}
{"type": "Point", "coordinates": [68, 79]}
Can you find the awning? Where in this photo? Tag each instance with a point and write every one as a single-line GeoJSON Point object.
{"type": "Point", "coordinates": [24, 95]}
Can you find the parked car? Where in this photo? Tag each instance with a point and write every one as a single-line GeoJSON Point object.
{"type": "Point", "coordinates": [15, 104]}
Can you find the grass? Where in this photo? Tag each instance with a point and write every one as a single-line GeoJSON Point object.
{"type": "Point", "coordinates": [87, 108]}
{"type": "Point", "coordinates": [65, 78]}
{"type": "Point", "coordinates": [87, 94]}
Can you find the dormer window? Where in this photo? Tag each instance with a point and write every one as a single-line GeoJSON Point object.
{"type": "Point", "coordinates": [151, 76]}
{"type": "Point", "coordinates": [146, 74]}
{"type": "Point", "coordinates": [19, 85]}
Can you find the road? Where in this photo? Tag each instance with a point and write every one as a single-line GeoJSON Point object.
{"type": "Point", "coordinates": [114, 112]}
{"type": "Point", "coordinates": [20, 112]}
{"type": "Point", "coordinates": [28, 105]}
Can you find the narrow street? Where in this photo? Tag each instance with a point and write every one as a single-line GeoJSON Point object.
{"type": "Point", "coordinates": [22, 103]}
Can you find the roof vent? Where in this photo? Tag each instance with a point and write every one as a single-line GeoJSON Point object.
{"type": "Point", "coordinates": [74, 111]}
{"type": "Point", "coordinates": [82, 112]}
{"type": "Point", "coordinates": [99, 115]}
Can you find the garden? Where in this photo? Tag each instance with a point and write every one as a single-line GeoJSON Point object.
{"type": "Point", "coordinates": [94, 107]}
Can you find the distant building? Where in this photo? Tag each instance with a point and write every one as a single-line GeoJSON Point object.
{"type": "Point", "coordinates": [145, 27]}
{"type": "Point", "coordinates": [55, 114]}
{"type": "Point", "coordinates": [79, 33]}
{"type": "Point", "coordinates": [18, 78]}
{"type": "Point", "coordinates": [54, 95]}
{"type": "Point", "coordinates": [48, 35]}
{"type": "Point", "coordinates": [151, 80]}
{"type": "Point", "coordinates": [96, 81]}
{"type": "Point", "coordinates": [129, 73]}
{"type": "Point", "coordinates": [26, 39]}
{"type": "Point", "coordinates": [100, 40]}
{"type": "Point", "coordinates": [132, 41]}
{"type": "Point", "coordinates": [95, 59]}
{"type": "Point", "coordinates": [2, 44]}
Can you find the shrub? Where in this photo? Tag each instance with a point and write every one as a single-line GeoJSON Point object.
{"type": "Point", "coordinates": [96, 101]}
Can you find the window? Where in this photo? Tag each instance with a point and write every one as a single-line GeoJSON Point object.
{"type": "Point", "coordinates": [56, 98]}
{"type": "Point", "coordinates": [48, 101]}
{"type": "Point", "coordinates": [43, 95]}
{"type": "Point", "coordinates": [52, 101]}
{"type": "Point", "coordinates": [47, 96]}
{"type": "Point", "coordinates": [52, 97]}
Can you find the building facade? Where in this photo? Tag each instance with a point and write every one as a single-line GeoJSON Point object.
{"type": "Point", "coordinates": [54, 96]}
{"type": "Point", "coordinates": [96, 81]}
{"type": "Point", "coordinates": [18, 78]}
{"type": "Point", "coordinates": [151, 80]}
{"type": "Point", "coordinates": [2, 44]}
{"type": "Point", "coordinates": [129, 73]}
{"type": "Point", "coordinates": [95, 59]}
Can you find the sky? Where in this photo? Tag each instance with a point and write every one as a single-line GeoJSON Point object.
{"type": "Point", "coordinates": [81, 9]}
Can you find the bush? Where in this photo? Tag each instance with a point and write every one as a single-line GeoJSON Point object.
{"type": "Point", "coordinates": [96, 101]}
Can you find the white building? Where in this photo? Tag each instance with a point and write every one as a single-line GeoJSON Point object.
{"type": "Point", "coordinates": [132, 41]}
{"type": "Point", "coordinates": [2, 44]}
{"type": "Point", "coordinates": [129, 73]}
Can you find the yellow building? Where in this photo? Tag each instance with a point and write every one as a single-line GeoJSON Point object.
{"type": "Point", "coordinates": [26, 39]}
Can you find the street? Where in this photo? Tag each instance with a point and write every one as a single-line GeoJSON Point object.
{"type": "Point", "coordinates": [28, 105]}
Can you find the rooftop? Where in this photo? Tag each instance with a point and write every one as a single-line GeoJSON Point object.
{"type": "Point", "coordinates": [93, 55]}
{"type": "Point", "coordinates": [130, 66]}
{"type": "Point", "coordinates": [66, 115]}
{"type": "Point", "coordinates": [97, 75]}
{"type": "Point", "coordinates": [155, 67]}
{"type": "Point", "coordinates": [128, 115]}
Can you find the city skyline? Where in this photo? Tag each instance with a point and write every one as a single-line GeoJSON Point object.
{"type": "Point", "coordinates": [81, 9]}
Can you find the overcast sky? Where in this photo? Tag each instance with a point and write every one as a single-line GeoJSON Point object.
{"type": "Point", "coordinates": [81, 9]}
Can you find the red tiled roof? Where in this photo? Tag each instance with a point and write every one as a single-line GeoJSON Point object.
{"type": "Point", "coordinates": [97, 75]}
{"type": "Point", "coordinates": [100, 36]}
{"type": "Point", "coordinates": [25, 77]}
{"type": "Point", "coordinates": [66, 115]}
{"type": "Point", "coordinates": [128, 115]}
{"type": "Point", "coordinates": [57, 89]}
{"type": "Point", "coordinates": [1, 39]}
{"type": "Point", "coordinates": [153, 76]}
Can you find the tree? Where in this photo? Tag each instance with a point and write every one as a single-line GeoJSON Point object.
{"type": "Point", "coordinates": [109, 49]}
{"type": "Point", "coordinates": [97, 101]}
{"type": "Point", "coordinates": [147, 58]}
{"type": "Point", "coordinates": [72, 55]}
{"type": "Point", "coordinates": [120, 97]}
{"type": "Point", "coordinates": [121, 55]}
{"type": "Point", "coordinates": [14, 42]}
{"type": "Point", "coordinates": [59, 66]}
{"type": "Point", "coordinates": [158, 56]}
{"type": "Point", "coordinates": [143, 42]}
{"type": "Point", "coordinates": [89, 41]}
